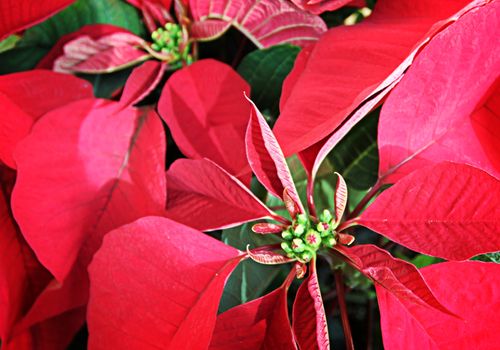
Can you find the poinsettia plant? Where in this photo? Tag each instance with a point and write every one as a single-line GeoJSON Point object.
{"type": "Point", "coordinates": [233, 175]}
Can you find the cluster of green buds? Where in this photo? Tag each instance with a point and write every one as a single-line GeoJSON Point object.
{"type": "Point", "coordinates": [169, 41]}
{"type": "Point", "coordinates": [303, 238]}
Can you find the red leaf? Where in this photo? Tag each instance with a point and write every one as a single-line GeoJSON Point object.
{"type": "Point", "coordinates": [94, 31]}
{"type": "Point", "coordinates": [351, 64]}
{"type": "Point", "coordinates": [209, 29]}
{"type": "Point", "coordinates": [16, 15]}
{"type": "Point", "coordinates": [265, 228]}
{"type": "Point", "coordinates": [82, 176]}
{"type": "Point", "coordinates": [320, 6]}
{"type": "Point", "coordinates": [259, 324]}
{"type": "Point", "coordinates": [266, 158]}
{"type": "Point", "coordinates": [203, 195]}
{"type": "Point", "coordinates": [268, 257]}
{"type": "Point", "coordinates": [53, 334]}
{"type": "Point", "coordinates": [449, 210]}
{"type": "Point", "coordinates": [155, 12]}
{"type": "Point", "coordinates": [309, 321]}
{"type": "Point", "coordinates": [142, 81]}
{"type": "Point", "coordinates": [206, 111]}
{"type": "Point", "coordinates": [24, 98]}
{"type": "Point", "coordinates": [106, 54]}
{"type": "Point", "coordinates": [156, 283]}
{"type": "Point", "coordinates": [265, 23]}
{"type": "Point", "coordinates": [471, 289]}
{"type": "Point", "coordinates": [399, 277]}
{"type": "Point", "coordinates": [444, 107]}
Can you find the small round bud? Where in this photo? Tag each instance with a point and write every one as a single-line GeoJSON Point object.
{"type": "Point", "coordinates": [313, 238]}
{"type": "Point", "coordinates": [329, 242]}
{"type": "Point", "coordinates": [286, 247]}
{"type": "Point", "coordinates": [298, 246]}
{"type": "Point", "coordinates": [287, 235]}
{"type": "Point", "coordinates": [326, 216]}
{"type": "Point", "coordinates": [299, 230]}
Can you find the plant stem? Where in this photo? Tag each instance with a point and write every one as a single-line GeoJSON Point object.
{"type": "Point", "coordinates": [362, 204]}
{"type": "Point", "coordinates": [310, 197]}
{"type": "Point", "coordinates": [339, 283]}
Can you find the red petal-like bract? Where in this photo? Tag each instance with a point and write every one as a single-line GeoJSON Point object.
{"type": "Point", "coordinates": [155, 12]}
{"type": "Point", "coordinates": [340, 198]}
{"type": "Point", "coordinates": [204, 196]}
{"type": "Point", "coordinates": [95, 31]}
{"type": "Point", "coordinates": [309, 321]}
{"type": "Point", "coordinates": [105, 54]}
{"type": "Point", "coordinates": [471, 289]}
{"type": "Point", "coordinates": [156, 284]}
{"type": "Point", "coordinates": [24, 98]}
{"type": "Point", "coordinates": [264, 22]}
{"type": "Point", "coordinates": [350, 64]}
{"type": "Point", "coordinates": [259, 324]}
{"type": "Point", "coordinates": [16, 15]}
{"type": "Point", "coordinates": [319, 6]}
{"type": "Point", "coordinates": [142, 81]}
{"type": "Point", "coordinates": [399, 277]}
{"type": "Point", "coordinates": [449, 210]}
{"type": "Point", "coordinates": [205, 108]}
{"type": "Point", "coordinates": [266, 158]}
{"type": "Point", "coordinates": [447, 107]}
{"type": "Point", "coordinates": [85, 169]}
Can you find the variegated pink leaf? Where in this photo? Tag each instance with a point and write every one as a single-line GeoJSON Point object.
{"type": "Point", "coordinates": [309, 321]}
{"type": "Point", "coordinates": [104, 55]}
{"type": "Point", "coordinates": [268, 257]}
{"type": "Point", "coordinates": [266, 158]}
{"type": "Point", "coordinates": [209, 29]}
{"type": "Point", "coordinates": [340, 198]}
{"type": "Point", "coordinates": [266, 228]}
{"type": "Point", "coordinates": [203, 190]}
{"type": "Point", "coordinates": [264, 22]}
{"type": "Point", "coordinates": [399, 277]}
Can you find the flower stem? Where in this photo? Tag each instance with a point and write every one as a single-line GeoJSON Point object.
{"type": "Point", "coordinates": [339, 283]}
{"type": "Point", "coordinates": [310, 197]}
{"type": "Point", "coordinates": [362, 204]}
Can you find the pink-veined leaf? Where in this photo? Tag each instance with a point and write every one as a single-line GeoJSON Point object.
{"type": "Point", "coordinates": [208, 30]}
{"type": "Point", "coordinates": [16, 15]}
{"type": "Point", "coordinates": [205, 108]}
{"type": "Point", "coordinates": [265, 22]}
{"type": "Point", "coordinates": [448, 210]}
{"type": "Point", "coordinates": [291, 205]}
{"type": "Point", "coordinates": [259, 324]}
{"type": "Point", "coordinates": [82, 176]}
{"type": "Point", "coordinates": [399, 277]}
{"type": "Point", "coordinates": [309, 320]}
{"type": "Point", "coordinates": [447, 107]}
{"type": "Point", "coordinates": [266, 158]}
{"type": "Point", "coordinates": [340, 198]}
{"type": "Point", "coordinates": [105, 54]}
{"type": "Point", "coordinates": [268, 257]}
{"type": "Point", "coordinates": [174, 272]}
{"type": "Point", "coordinates": [53, 334]}
{"type": "Point", "coordinates": [471, 289]}
{"type": "Point", "coordinates": [24, 99]}
{"type": "Point", "coordinates": [95, 31]}
{"type": "Point", "coordinates": [202, 190]}
{"type": "Point", "coordinates": [142, 81]}
{"type": "Point", "coordinates": [351, 64]}
{"type": "Point", "coordinates": [267, 228]}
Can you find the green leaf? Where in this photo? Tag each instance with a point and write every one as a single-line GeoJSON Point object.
{"type": "Point", "coordinates": [356, 156]}
{"type": "Point", "coordinates": [38, 40]}
{"type": "Point", "coordinates": [9, 42]}
{"type": "Point", "coordinates": [265, 71]}
{"type": "Point", "coordinates": [422, 260]}
{"type": "Point", "coordinates": [249, 280]}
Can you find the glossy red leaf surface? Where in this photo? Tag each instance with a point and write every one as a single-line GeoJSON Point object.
{"type": "Point", "coordinates": [142, 81]}
{"type": "Point", "coordinates": [265, 23]}
{"type": "Point", "coordinates": [202, 190]}
{"type": "Point", "coordinates": [205, 108]}
{"type": "Point", "coordinates": [309, 321]}
{"type": "Point", "coordinates": [471, 289]}
{"type": "Point", "coordinates": [105, 54]}
{"type": "Point", "coordinates": [449, 210]}
{"type": "Point", "coordinates": [83, 175]}
{"type": "Point", "coordinates": [259, 324]}
{"type": "Point", "coordinates": [266, 158]}
{"type": "Point", "coordinates": [16, 15]}
{"type": "Point", "coordinates": [156, 284]}
{"type": "Point", "coordinates": [399, 277]}
{"type": "Point", "coordinates": [444, 108]}
{"type": "Point", "coordinates": [350, 64]}
{"type": "Point", "coordinates": [24, 99]}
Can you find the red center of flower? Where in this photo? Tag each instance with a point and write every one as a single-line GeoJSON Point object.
{"type": "Point", "coordinates": [311, 239]}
